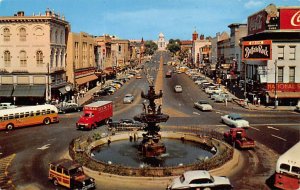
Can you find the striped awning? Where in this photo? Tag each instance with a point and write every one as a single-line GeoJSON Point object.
{"type": "Point", "coordinates": [86, 79]}
{"type": "Point", "coordinates": [6, 90]}
{"type": "Point", "coordinates": [29, 91]}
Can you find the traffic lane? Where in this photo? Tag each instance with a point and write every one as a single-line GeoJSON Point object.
{"type": "Point", "coordinates": [277, 137]}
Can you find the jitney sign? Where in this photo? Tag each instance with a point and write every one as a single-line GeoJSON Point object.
{"type": "Point", "coordinates": [257, 50]}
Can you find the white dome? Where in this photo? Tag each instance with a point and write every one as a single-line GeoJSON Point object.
{"type": "Point", "coordinates": [161, 35]}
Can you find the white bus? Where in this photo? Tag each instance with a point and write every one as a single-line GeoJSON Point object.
{"type": "Point", "coordinates": [287, 174]}
{"type": "Point", "coordinates": [27, 116]}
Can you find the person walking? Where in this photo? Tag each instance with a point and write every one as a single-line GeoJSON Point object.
{"type": "Point", "coordinates": [258, 101]}
{"type": "Point", "coordinates": [226, 101]}
{"type": "Point", "coordinates": [254, 100]}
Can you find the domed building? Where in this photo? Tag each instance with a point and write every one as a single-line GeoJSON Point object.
{"type": "Point", "coordinates": [161, 43]}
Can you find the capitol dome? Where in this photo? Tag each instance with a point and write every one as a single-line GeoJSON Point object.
{"type": "Point", "coordinates": [161, 35]}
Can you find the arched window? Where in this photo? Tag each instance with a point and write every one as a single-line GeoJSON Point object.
{"type": "Point", "coordinates": [56, 37]}
{"type": "Point", "coordinates": [61, 37]}
{"type": "Point", "coordinates": [39, 57]}
{"type": "Point", "coordinates": [23, 59]}
{"type": "Point", "coordinates": [22, 34]}
{"type": "Point", "coordinates": [7, 58]}
{"type": "Point", "coordinates": [6, 33]}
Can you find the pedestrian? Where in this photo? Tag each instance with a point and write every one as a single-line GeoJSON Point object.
{"type": "Point", "coordinates": [258, 101]}
{"type": "Point", "coordinates": [246, 102]}
{"type": "Point", "coordinates": [254, 100]}
{"type": "Point", "coordinates": [226, 101]}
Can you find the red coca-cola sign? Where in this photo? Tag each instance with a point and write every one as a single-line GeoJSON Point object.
{"type": "Point", "coordinates": [290, 19]}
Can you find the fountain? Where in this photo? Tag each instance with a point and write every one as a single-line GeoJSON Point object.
{"type": "Point", "coordinates": [151, 146]}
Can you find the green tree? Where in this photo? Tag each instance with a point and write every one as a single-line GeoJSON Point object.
{"type": "Point", "coordinates": [174, 46]}
{"type": "Point", "coordinates": [150, 47]}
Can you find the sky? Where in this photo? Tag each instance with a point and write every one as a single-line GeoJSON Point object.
{"type": "Point", "coordinates": [136, 19]}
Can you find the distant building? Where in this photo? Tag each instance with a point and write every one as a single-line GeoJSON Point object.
{"type": "Point", "coordinates": [33, 57]}
{"type": "Point", "coordinates": [161, 42]}
{"type": "Point", "coordinates": [197, 55]}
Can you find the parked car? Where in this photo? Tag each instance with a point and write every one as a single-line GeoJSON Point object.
{"type": "Point", "coordinates": [138, 76]}
{"type": "Point", "coordinates": [203, 105]}
{"type": "Point", "coordinates": [199, 179]}
{"type": "Point", "coordinates": [128, 98]}
{"type": "Point", "coordinates": [298, 107]}
{"type": "Point", "coordinates": [211, 89]}
{"type": "Point", "coordinates": [234, 120]}
{"type": "Point", "coordinates": [6, 105]}
{"type": "Point", "coordinates": [70, 107]}
{"type": "Point", "coordinates": [178, 88]}
{"type": "Point", "coordinates": [222, 97]}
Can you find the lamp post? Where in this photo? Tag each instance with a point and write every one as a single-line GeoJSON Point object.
{"type": "Point", "coordinates": [245, 82]}
{"type": "Point", "coordinates": [276, 102]}
{"type": "Point", "coordinates": [48, 83]}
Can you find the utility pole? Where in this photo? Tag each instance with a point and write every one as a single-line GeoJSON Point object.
{"type": "Point", "coordinates": [48, 82]}
{"type": "Point", "coordinates": [245, 82]}
{"type": "Point", "coordinates": [276, 102]}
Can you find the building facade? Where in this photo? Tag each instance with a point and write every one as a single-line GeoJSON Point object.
{"type": "Point", "coordinates": [33, 57]}
{"type": "Point", "coordinates": [161, 42]}
{"type": "Point", "coordinates": [81, 65]}
{"type": "Point", "coordinates": [197, 56]}
{"type": "Point", "coordinates": [276, 79]}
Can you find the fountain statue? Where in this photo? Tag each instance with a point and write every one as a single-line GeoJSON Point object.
{"type": "Point", "coordinates": [151, 146]}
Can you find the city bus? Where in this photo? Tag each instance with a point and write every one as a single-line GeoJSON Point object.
{"type": "Point", "coordinates": [287, 174]}
{"type": "Point", "coordinates": [27, 116]}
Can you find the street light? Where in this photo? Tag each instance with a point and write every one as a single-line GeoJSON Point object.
{"type": "Point", "coordinates": [276, 102]}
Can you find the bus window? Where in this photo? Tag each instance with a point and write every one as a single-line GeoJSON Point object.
{"type": "Point", "coordinates": [296, 170]}
{"type": "Point", "coordinates": [21, 115]}
{"type": "Point", "coordinates": [26, 114]}
{"type": "Point", "coordinates": [17, 116]}
{"type": "Point", "coordinates": [1, 118]}
{"type": "Point", "coordinates": [5, 117]}
{"type": "Point", "coordinates": [38, 112]}
{"type": "Point", "coordinates": [52, 111]}
{"type": "Point", "coordinates": [31, 113]}
{"type": "Point", "coordinates": [48, 111]}
{"type": "Point", "coordinates": [285, 167]}
{"type": "Point", "coordinates": [11, 116]}
{"type": "Point", "coordinates": [43, 112]}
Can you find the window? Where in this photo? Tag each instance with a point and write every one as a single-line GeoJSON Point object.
{"type": "Point", "coordinates": [6, 34]}
{"type": "Point", "coordinates": [22, 34]}
{"type": "Point", "coordinates": [280, 74]}
{"type": "Point", "coordinates": [56, 37]}
{"type": "Point", "coordinates": [292, 55]}
{"type": "Point", "coordinates": [59, 170]}
{"type": "Point", "coordinates": [285, 167]}
{"type": "Point", "coordinates": [39, 58]}
{"type": "Point", "coordinates": [23, 59]}
{"type": "Point", "coordinates": [7, 58]}
{"type": "Point", "coordinates": [38, 112]}
{"type": "Point", "coordinates": [296, 170]}
{"type": "Point", "coordinates": [280, 52]}
{"type": "Point", "coordinates": [292, 74]}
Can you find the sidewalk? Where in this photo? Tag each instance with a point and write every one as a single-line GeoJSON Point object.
{"type": "Point", "coordinates": [88, 95]}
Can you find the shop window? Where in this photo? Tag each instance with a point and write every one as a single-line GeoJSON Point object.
{"type": "Point", "coordinates": [280, 52]}
{"type": "Point", "coordinates": [292, 74]}
{"type": "Point", "coordinates": [280, 74]}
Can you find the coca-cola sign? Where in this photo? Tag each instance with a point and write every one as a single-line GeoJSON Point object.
{"type": "Point", "coordinates": [257, 22]}
{"type": "Point", "coordinates": [257, 50]}
{"type": "Point", "coordinates": [290, 19]}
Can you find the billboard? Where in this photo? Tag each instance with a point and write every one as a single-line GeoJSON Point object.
{"type": "Point", "coordinates": [257, 22]}
{"type": "Point", "coordinates": [257, 50]}
{"type": "Point", "coordinates": [290, 19]}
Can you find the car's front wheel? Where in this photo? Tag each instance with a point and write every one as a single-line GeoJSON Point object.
{"type": "Point", "coordinates": [47, 121]}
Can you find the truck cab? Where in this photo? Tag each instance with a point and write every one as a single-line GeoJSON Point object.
{"type": "Point", "coordinates": [70, 174]}
{"type": "Point", "coordinates": [239, 138]}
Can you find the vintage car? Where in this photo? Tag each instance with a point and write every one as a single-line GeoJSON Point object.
{"type": "Point", "coordinates": [6, 105]}
{"type": "Point", "coordinates": [234, 120]}
{"type": "Point", "coordinates": [221, 97]}
{"type": "Point", "coordinates": [178, 88]}
{"type": "Point", "coordinates": [203, 105]}
{"type": "Point", "coordinates": [128, 99]}
{"type": "Point", "coordinates": [70, 174]}
{"type": "Point", "coordinates": [199, 179]}
{"type": "Point", "coordinates": [213, 89]}
{"type": "Point", "coordinates": [70, 107]}
{"type": "Point", "coordinates": [138, 76]}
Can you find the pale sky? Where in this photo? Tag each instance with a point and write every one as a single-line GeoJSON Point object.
{"type": "Point", "coordinates": [134, 19]}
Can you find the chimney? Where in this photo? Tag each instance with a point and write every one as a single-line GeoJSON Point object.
{"type": "Point", "coordinates": [48, 12]}
{"type": "Point", "coordinates": [20, 13]}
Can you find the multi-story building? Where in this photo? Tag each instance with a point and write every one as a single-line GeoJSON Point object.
{"type": "Point", "coordinates": [198, 58]}
{"type": "Point", "coordinates": [274, 70]}
{"type": "Point", "coordinates": [81, 64]}
{"type": "Point", "coordinates": [120, 52]}
{"type": "Point", "coordinates": [33, 57]}
{"type": "Point", "coordinates": [223, 56]}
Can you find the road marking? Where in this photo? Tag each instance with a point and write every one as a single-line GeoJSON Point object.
{"type": "Point", "coordinates": [279, 137]}
{"type": "Point", "coordinates": [269, 127]}
{"type": "Point", "coordinates": [279, 124]}
{"type": "Point", "coordinates": [196, 113]}
{"type": "Point", "coordinates": [254, 128]}
{"type": "Point", "coordinates": [44, 147]}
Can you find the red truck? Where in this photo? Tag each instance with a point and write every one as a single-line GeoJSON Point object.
{"type": "Point", "coordinates": [238, 138]}
{"type": "Point", "coordinates": [94, 114]}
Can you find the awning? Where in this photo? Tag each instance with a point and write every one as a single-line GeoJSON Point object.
{"type": "Point", "coordinates": [285, 94]}
{"type": "Point", "coordinates": [6, 90]}
{"type": "Point", "coordinates": [86, 79]}
{"type": "Point", "coordinates": [29, 91]}
{"type": "Point", "coordinates": [62, 90]}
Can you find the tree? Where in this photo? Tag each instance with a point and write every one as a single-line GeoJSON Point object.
{"type": "Point", "coordinates": [174, 46]}
{"type": "Point", "coordinates": [150, 47]}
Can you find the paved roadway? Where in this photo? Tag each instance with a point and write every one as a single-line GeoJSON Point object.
{"type": "Point", "coordinates": [29, 150]}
